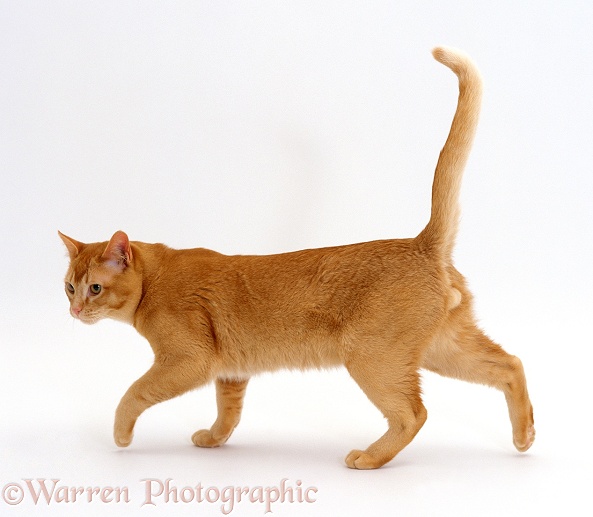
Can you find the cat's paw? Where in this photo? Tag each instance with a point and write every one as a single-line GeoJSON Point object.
{"type": "Point", "coordinates": [123, 439]}
{"type": "Point", "coordinates": [205, 438]}
{"type": "Point", "coordinates": [522, 443]}
{"type": "Point", "coordinates": [362, 461]}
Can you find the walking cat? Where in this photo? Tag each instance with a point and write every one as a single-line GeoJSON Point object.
{"type": "Point", "coordinates": [383, 309]}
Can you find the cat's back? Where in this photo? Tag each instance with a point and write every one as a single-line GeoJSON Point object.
{"type": "Point", "coordinates": [334, 278]}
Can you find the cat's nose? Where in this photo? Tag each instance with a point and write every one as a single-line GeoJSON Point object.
{"type": "Point", "coordinates": [76, 311]}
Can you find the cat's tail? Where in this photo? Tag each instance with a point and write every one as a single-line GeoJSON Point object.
{"type": "Point", "coordinates": [439, 235]}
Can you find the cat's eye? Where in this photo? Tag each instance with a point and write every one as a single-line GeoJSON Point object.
{"type": "Point", "coordinates": [95, 289]}
{"type": "Point", "coordinates": [69, 288]}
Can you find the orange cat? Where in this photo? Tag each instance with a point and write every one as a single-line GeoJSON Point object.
{"type": "Point", "coordinates": [382, 309]}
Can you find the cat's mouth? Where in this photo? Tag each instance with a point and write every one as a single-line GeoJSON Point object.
{"type": "Point", "coordinates": [85, 318]}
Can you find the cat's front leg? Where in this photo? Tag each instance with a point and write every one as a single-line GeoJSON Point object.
{"type": "Point", "coordinates": [229, 401]}
{"type": "Point", "coordinates": [161, 382]}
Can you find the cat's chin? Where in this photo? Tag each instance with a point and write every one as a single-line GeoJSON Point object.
{"type": "Point", "coordinates": [88, 321]}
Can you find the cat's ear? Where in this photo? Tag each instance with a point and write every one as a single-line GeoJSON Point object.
{"type": "Point", "coordinates": [74, 247]}
{"type": "Point", "coordinates": [118, 251]}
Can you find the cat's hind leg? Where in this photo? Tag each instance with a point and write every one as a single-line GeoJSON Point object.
{"type": "Point", "coordinates": [393, 386]}
{"type": "Point", "coordinates": [463, 351]}
{"type": "Point", "coordinates": [229, 401]}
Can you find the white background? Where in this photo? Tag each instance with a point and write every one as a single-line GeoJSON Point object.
{"type": "Point", "coordinates": [260, 127]}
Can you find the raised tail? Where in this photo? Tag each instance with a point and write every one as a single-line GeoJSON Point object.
{"type": "Point", "coordinates": [439, 235]}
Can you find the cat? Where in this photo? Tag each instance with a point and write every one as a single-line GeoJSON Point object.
{"type": "Point", "coordinates": [383, 309]}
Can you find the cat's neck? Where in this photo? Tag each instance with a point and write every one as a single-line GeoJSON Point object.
{"type": "Point", "coordinates": [147, 262]}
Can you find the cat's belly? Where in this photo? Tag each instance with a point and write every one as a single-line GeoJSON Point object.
{"type": "Point", "coordinates": [244, 362]}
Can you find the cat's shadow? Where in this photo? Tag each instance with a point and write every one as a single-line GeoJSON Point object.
{"type": "Point", "coordinates": [235, 451]}
{"type": "Point", "coordinates": [243, 456]}
{"type": "Point", "coordinates": [243, 452]}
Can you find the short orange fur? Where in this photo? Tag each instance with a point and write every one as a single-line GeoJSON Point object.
{"type": "Point", "coordinates": [382, 309]}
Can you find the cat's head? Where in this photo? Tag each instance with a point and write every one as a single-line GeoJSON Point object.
{"type": "Point", "coordinates": [102, 280]}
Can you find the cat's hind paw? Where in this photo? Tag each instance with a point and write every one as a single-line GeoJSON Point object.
{"type": "Point", "coordinates": [361, 460]}
{"type": "Point", "coordinates": [526, 441]}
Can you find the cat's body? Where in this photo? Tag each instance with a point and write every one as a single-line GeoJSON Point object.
{"type": "Point", "coordinates": [382, 309]}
